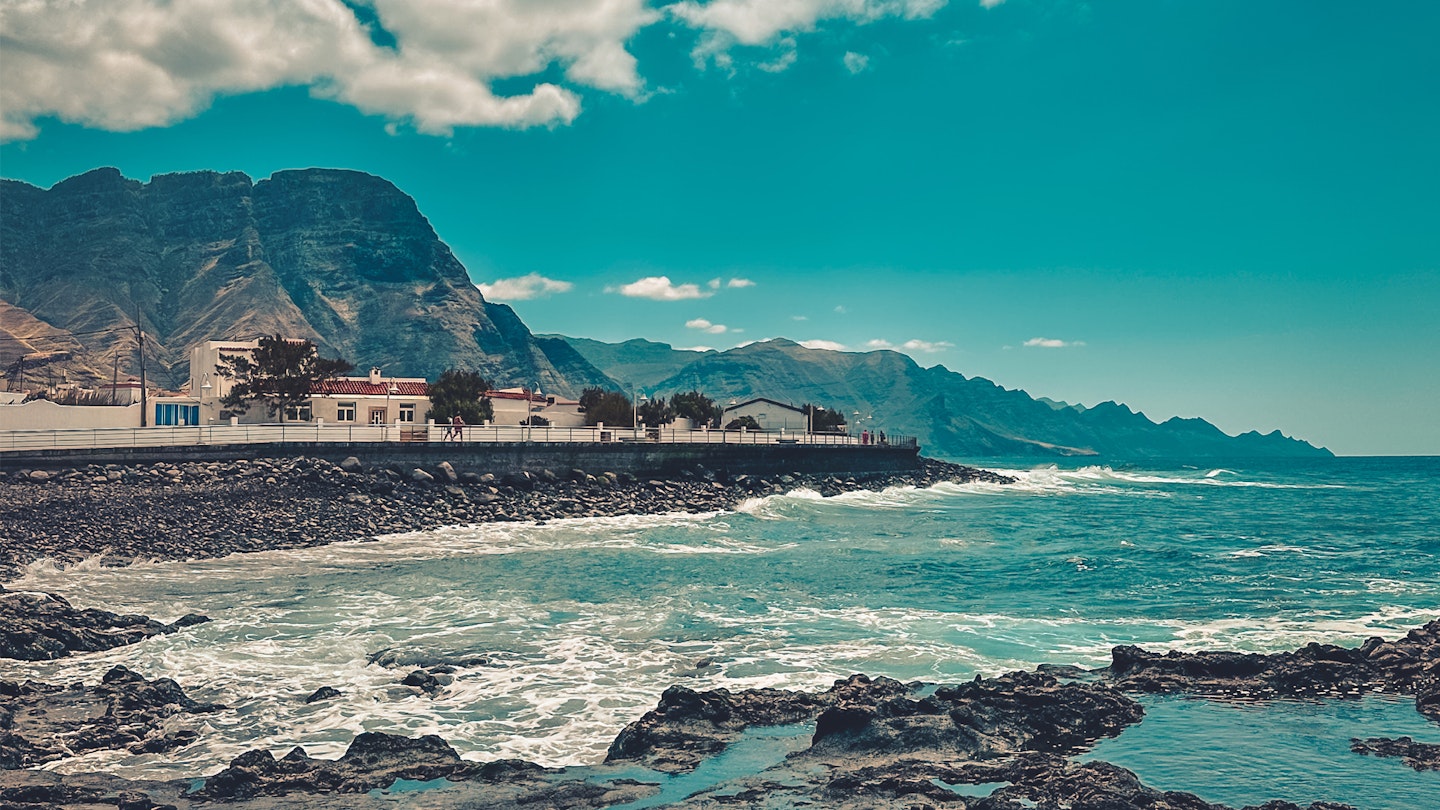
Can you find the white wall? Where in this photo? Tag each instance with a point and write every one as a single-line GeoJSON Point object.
{"type": "Point", "coordinates": [45, 415]}
{"type": "Point", "coordinates": [769, 415]}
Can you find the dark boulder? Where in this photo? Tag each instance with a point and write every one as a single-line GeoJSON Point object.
{"type": "Point", "coordinates": [374, 760]}
{"type": "Point", "coordinates": [44, 626]}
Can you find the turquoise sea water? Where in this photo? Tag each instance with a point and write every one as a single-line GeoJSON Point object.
{"type": "Point", "coordinates": [566, 631]}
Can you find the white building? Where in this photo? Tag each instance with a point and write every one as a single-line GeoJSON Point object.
{"type": "Point", "coordinates": [768, 413]}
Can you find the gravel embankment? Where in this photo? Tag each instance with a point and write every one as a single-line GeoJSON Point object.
{"type": "Point", "coordinates": [182, 511]}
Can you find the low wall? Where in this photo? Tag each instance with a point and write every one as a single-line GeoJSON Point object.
{"type": "Point", "coordinates": [501, 457]}
{"type": "Point", "coordinates": [42, 414]}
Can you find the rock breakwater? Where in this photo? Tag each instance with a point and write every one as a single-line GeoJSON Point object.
{"type": "Point", "coordinates": [181, 511]}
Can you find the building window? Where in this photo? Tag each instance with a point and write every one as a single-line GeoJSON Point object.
{"type": "Point", "coordinates": [300, 413]}
{"type": "Point", "coordinates": [171, 414]}
{"type": "Point", "coordinates": [407, 412]}
{"type": "Point", "coordinates": [345, 412]}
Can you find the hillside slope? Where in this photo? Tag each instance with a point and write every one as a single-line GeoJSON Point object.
{"type": "Point", "coordinates": [339, 257]}
{"type": "Point", "coordinates": [950, 413]}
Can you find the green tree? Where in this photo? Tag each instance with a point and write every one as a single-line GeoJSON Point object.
{"type": "Point", "coordinates": [463, 393]}
{"type": "Point", "coordinates": [697, 407]}
{"type": "Point", "coordinates": [609, 407]}
{"type": "Point", "coordinates": [656, 412]}
{"type": "Point", "coordinates": [823, 420]}
{"type": "Point", "coordinates": [281, 373]}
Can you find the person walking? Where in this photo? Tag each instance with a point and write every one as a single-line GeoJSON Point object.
{"type": "Point", "coordinates": [457, 428]}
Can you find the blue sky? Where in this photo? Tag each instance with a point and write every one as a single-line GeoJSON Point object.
{"type": "Point", "coordinates": [1221, 209]}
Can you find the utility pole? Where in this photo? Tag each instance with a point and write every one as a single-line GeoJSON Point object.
{"type": "Point", "coordinates": [140, 338]}
{"type": "Point", "coordinates": [115, 375]}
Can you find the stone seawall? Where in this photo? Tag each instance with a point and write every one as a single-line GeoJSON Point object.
{"type": "Point", "coordinates": [640, 459]}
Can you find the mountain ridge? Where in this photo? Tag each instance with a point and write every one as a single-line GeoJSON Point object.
{"type": "Point", "coordinates": [948, 412]}
{"type": "Point", "coordinates": [339, 257]}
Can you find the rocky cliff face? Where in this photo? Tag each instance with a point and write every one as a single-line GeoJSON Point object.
{"type": "Point", "coordinates": [339, 257]}
{"type": "Point", "coordinates": [950, 413]}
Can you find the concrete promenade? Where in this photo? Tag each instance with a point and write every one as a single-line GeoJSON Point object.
{"type": "Point", "coordinates": [482, 449]}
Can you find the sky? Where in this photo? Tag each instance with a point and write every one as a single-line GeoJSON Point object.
{"type": "Point", "coordinates": [1223, 209]}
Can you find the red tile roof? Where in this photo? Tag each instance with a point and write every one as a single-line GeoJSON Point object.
{"type": "Point", "coordinates": [365, 388]}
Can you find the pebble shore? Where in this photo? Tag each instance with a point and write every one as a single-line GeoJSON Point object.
{"type": "Point", "coordinates": [196, 510]}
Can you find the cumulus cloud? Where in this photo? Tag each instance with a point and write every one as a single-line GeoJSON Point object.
{"type": "Point", "coordinates": [695, 349]}
{"type": "Point", "coordinates": [707, 327]}
{"type": "Point", "coordinates": [739, 283]}
{"type": "Point", "coordinates": [927, 346]}
{"type": "Point", "coordinates": [428, 64]}
{"type": "Point", "coordinates": [824, 344]}
{"type": "Point", "coordinates": [1052, 343]}
{"type": "Point", "coordinates": [856, 62]}
{"type": "Point", "coordinates": [912, 345]}
{"type": "Point", "coordinates": [761, 22]}
{"type": "Point", "coordinates": [660, 288]}
{"type": "Point", "coordinates": [130, 64]}
{"type": "Point", "coordinates": [523, 288]}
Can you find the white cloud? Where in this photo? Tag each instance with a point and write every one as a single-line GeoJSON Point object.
{"type": "Point", "coordinates": [761, 22]}
{"type": "Point", "coordinates": [799, 317]}
{"type": "Point", "coordinates": [707, 327]}
{"type": "Point", "coordinates": [840, 309]}
{"type": "Point", "coordinates": [772, 23]}
{"type": "Point", "coordinates": [824, 344]}
{"type": "Point", "coordinates": [660, 288]}
{"type": "Point", "coordinates": [428, 64]}
{"type": "Point", "coordinates": [789, 55]}
{"type": "Point", "coordinates": [1052, 343]}
{"type": "Point", "coordinates": [926, 346]}
{"type": "Point", "coordinates": [714, 284]}
{"type": "Point", "coordinates": [739, 283]}
{"type": "Point", "coordinates": [990, 3]}
{"type": "Point", "coordinates": [130, 64]}
{"type": "Point", "coordinates": [856, 62]}
{"type": "Point", "coordinates": [913, 345]}
{"type": "Point", "coordinates": [695, 349]}
{"type": "Point", "coordinates": [523, 288]}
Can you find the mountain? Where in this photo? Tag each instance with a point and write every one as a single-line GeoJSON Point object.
{"type": "Point", "coordinates": [342, 258]}
{"type": "Point", "coordinates": [634, 364]}
{"type": "Point", "coordinates": [950, 413]}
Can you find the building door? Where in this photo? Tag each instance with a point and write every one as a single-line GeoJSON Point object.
{"type": "Point", "coordinates": [377, 416]}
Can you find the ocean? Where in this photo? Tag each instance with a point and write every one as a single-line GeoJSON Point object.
{"type": "Point", "coordinates": [565, 631]}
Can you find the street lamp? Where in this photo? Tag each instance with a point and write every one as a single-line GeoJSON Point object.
{"type": "Point", "coordinates": [389, 392]}
{"type": "Point", "coordinates": [635, 412]}
{"type": "Point", "coordinates": [529, 418]}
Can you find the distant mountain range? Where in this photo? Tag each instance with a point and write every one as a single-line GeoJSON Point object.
{"type": "Point", "coordinates": [346, 259]}
{"type": "Point", "coordinates": [950, 413]}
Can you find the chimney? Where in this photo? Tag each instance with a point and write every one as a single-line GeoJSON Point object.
{"type": "Point", "coordinates": [374, 375]}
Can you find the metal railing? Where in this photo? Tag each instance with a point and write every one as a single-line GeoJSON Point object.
{"type": "Point", "coordinates": [312, 432]}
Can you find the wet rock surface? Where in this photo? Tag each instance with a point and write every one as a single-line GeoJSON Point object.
{"type": "Point", "coordinates": [169, 511]}
{"type": "Point", "coordinates": [373, 761]}
{"type": "Point", "coordinates": [40, 723]}
{"type": "Point", "coordinates": [1408, 665]}
{"type": "Point", "coordinates": [43, 626]}
{"type": "Point", "coordinates": [1420, 756]}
